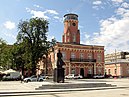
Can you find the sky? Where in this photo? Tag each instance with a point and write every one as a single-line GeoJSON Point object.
{"type": "Point", "coordinates": [101, 22]}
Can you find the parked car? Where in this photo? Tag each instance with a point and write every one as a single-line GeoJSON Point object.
{"type": "Point", "coordinates": [98, 76]}
{"type": "Point", "coordinates": [109, 76]}
{"type": "Point", "coordinates": [78, 76]}
{"type": "Point", "coordinates": [34, 78]}
{"type": "Point", "coordinates": [73, 76]}
{"type": "Point", "coordinates": [46, 77]}
{"type": "Point", "coordinates": [12, 76]}
{"type": "Point", "coordinates": [70, 76]}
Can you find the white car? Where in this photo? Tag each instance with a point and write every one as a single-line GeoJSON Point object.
{"type": "Point", "coordinates": [33, 78]}
{"type": "Point", "coordinates": [78, 76]}
{"type": "Point", "coordinates": [98, 76]}
{"type": "Point", "coordinates": [70, 76]}
{"type": "Point", "coordinates": [73, 76]}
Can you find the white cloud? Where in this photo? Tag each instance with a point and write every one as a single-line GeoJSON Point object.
{"type": "Point", "coordinates": [10, 35]}
{"type": "Point", "coordinates": [114, 32]}
{"type": "Point", "coordinates": [125, 5]}
{"type": "Point", "coordinates": [123, 12]}
{"type": "Point", "coordinates": [97, 2]}
{"type": "Point", "coordinates": [51, 12]}
{"type": "Point", "coordinates": [9, 25]}
{"type": "Point", "coordinates": [42, 14]}
{"type": "Point", "coordinates": [95, 7]}
{"type": "Point", "coordinates": [58, 18]}
{"type": "Point", "coordinates": [37, 6]}
{"type": "Point", "coordinates": [39, 14]}
{"type": "Point", "coordinates": [117, 1]}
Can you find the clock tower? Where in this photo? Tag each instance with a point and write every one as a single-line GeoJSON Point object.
{"type": "Point", "coordinates": [71, 32]}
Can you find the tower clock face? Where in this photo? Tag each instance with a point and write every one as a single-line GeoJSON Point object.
{"type": "Point", "coordinates": [73, 24]}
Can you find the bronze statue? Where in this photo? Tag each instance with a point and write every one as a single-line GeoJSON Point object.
{"type": "Point", "coordinates": [59, 71]}
{"type": "Point", "coordinates": [60, 62]}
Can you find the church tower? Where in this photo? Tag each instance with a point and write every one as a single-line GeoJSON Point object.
{"type": "Point", "coordinates": [71, 32]}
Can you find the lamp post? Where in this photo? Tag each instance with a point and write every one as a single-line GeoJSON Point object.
{"type": "Point", "coordinates": [115, 62]}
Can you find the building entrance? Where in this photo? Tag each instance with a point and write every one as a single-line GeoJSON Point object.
{"type": "Point", "coordinates": [82, 71]}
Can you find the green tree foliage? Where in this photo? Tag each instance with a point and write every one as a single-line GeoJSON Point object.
{"type": "Point", "coordinates": [18, 55]}
{"type": "Point", "coordinates": [2, 46]}
{"type": "Point", "coordinates": [32, 42]}
{"type": "Point", "coordinates": [5, 54]}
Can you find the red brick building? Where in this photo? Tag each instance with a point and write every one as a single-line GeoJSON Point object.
{"type": "Point", "coordinates": [87, 60]}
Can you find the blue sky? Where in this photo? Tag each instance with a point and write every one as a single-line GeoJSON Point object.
{"type": "Point", "coordinates": [101, 22]}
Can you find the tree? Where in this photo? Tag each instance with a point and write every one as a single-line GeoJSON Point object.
{"type": "Point", "coordinates": [5, 54]}
{"type": "Point", "coordinates": [2, 46]}
{"type": "Point", "coordinates": [32, 35]}
{"type": "Point", "coordinates": [18, 56]}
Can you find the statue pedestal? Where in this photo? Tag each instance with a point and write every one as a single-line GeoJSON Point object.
{"type": "Point", "coordinates": [58, 75]}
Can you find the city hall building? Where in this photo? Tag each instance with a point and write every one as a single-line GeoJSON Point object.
{"type": "Point", "coordinates": [86, 60]}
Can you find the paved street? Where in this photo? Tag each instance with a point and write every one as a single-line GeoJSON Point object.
{"type": "Point", "coordinates": [14, 89]}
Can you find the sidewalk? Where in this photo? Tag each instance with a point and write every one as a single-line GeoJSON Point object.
{"type": "Point", "coordinates": [12, 89]}
{"type": "Point", "coordinates": [17, 86]}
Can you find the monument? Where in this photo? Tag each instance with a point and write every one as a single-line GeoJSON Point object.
{"type": "Point", "coordinates": [59, 71]}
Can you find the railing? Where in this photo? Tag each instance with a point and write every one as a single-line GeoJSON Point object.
{"type": "Point", "coordinates": [82, 60]}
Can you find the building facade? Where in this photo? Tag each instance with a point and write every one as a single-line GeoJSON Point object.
{"type": "Point", "coordinates": [44, 66]}
{"type": "Point", "coordinates": [117, 64]}
{"type": "Point", "coordinates": [116, 56]}
{"type": "Point", "coordinates": [86, 60]}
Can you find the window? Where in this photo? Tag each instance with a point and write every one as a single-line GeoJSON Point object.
{"type": "Point", "coordinates": [109, 71]}
{"type": "Point", "coordinates": [99, 57]}
{"type": "Point", "coordinates": [81, 56]}
{"type": "Point", "coordinates": [89, 71]}
{"type": "Point", "coordinates": [115, 71]}
{"type": "Point", "coordinates": [74, 38]}
{"type": "Point", "coordinates": [72, 55]}
{"type": "Point", "coordinates": [64, 55]}
{"type": "Point", "coordinates": [90, 56]}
